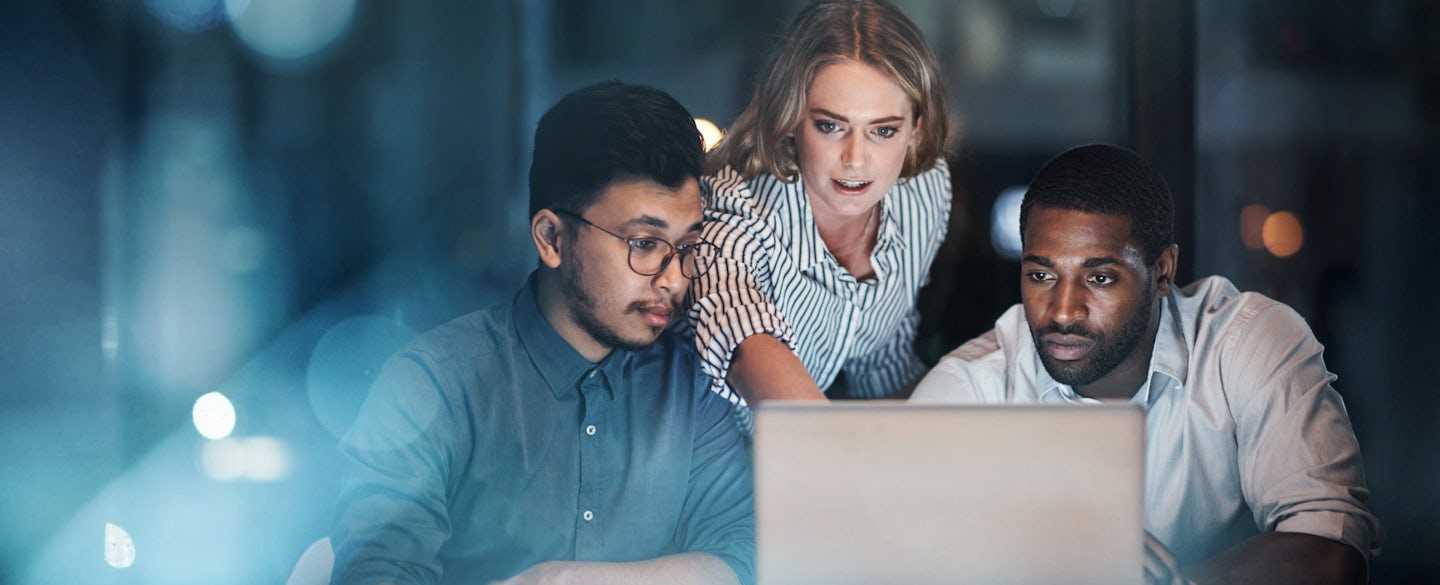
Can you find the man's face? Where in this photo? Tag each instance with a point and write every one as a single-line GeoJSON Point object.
{"type": "Point", "coordinates": [1087, 292]}
{"type": "Point", "coordinates": [612, 304]}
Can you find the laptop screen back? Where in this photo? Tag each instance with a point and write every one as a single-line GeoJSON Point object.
{"type": "Point", "coordinates": [890, 492]}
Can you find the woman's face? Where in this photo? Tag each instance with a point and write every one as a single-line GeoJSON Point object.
{"type": "Point", "coordinates": [852, 141]}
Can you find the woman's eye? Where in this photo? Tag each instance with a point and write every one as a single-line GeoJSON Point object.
{"type": "Point", "coordinates": [826, 126]}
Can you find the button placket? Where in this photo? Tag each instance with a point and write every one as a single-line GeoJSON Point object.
{"type": "Point", "coordinates": [592, 461]}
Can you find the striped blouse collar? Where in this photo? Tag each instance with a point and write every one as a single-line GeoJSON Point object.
{"type": "Point", "coordinates": [806, 245]}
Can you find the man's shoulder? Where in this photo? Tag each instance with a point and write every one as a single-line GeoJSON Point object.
{"type": "Point", "coordinates": [466, 338]}
{"type": "Point", "coordinates": [987, 368]}
{"type": "Point", "coordinates": [1214, 309]}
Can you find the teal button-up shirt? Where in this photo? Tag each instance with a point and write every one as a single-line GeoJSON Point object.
{"type": "Point", "coordinates": [490, 445]}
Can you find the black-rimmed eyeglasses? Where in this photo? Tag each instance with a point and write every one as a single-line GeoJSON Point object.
{"type": "Point", "coordinates": [650, 256]}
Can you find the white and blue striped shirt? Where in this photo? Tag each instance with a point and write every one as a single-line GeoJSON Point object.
{"type": "Point", "coordinates": [774, 275]}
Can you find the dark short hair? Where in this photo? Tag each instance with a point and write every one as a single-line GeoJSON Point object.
{"type": "Point", "coordinates": [610, 132]}
{"type": "Point", "coordinates": [1100, 178]}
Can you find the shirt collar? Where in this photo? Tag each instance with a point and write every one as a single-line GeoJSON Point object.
{"type": "Point", "coordinates": [562, 367]}
{"type": "Point", "coordinates": [1168, 362]}
{"type": "Point", "coordinates": [808, 248]}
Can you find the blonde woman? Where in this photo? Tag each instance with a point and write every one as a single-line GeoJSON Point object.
{"type": "Point", "coordinates": [828, 201]}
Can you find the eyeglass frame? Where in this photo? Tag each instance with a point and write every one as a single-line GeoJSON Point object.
{"type": "Point", "coordinates": [675, 250]}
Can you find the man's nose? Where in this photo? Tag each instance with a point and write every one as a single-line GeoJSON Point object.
{"type": "Point", "coordinates": [670, 278]}
{"type": "Point", "coordinates": [1068, 303]}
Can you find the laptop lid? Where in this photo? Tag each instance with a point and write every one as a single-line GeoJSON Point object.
{"type": "Point", "coordinates": [895, 492]}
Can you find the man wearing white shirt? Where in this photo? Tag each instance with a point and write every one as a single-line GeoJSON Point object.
{"type": "Point", "coordinates": [1253, 473]}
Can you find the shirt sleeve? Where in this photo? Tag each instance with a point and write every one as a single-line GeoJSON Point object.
{"type": "Point", "coordinates": [391, 517]}
{"type": "Point", "coordinates": [731, 301]}
{"type": "Point", "coordinates": [1299, 461]}
{"type": "Point", "coordinates": [966, 375]}
{"type": "Point", "coordinates": [719, 511]}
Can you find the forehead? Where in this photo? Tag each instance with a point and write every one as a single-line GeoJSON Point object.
{"type": "Point", "coordinates": [1063, 233]}
{"type": "Point", "coordinates": [629, 200]}
{"type": "Point", "coordinates": [852, 87]}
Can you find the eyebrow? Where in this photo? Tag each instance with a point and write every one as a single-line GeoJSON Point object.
{"type": "Point", "coordinates": [657, 223]}
{"type": "Point", "coordinates": [1101, 261]}
{"type": "Point", "coordinates": [1088, 263]}
{"type": "Point", "coordinates": [1033, 259]}
{"type": "Point", "coordinates": [830, 114]}
{"type": "Point", "coordinates": [649, 220]}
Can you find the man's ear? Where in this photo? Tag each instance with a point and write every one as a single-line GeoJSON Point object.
{"type": "Point", "coordinates": [547, 231]}
{"type": "Point", "coordinates": [1165, 268]}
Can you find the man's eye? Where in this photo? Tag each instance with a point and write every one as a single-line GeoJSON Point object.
{"type": "Point", "coordinates": [886, 131]}
{"type": "Point", "coordinates": [645, 244]}
{"type": "Point", "coordinates": [1038, 276]}
{"type": "Point", "coordinates": [1102, 279]}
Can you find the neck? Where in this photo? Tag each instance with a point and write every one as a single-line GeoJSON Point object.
{"type": "Point", "coordinates": [845, 236]}
{"type": "Point", "coordinates": [555, 305]}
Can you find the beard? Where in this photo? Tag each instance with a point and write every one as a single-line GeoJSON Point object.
{"type": "Point", "coordinates": [586, 311]}
{"type": "Point", "coordinates": [1108, 352]}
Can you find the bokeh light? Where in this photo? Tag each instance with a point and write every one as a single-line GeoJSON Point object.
{"type": "Point", "coordinates": [1005, 223]}
{"type": "Point", "coordinates": [344, 364]}
{"type": "Point", "coordinates": [1252, 225]}
{"type": "Point", "coordinates": [214, 416]}
{"type": "Point", "coordinates": [1283, 234]}
{"type": "Point", "coordinates": [289, 30]}
{"type": "Point", "coordinates": [119, 548]}
{"type": "Point", "coordinates": [710, 134]}
{"type": "Point", "coordinates": [223, 459]}
{"type": "Point", "coordinates": [187, 15]}
{"type": "Point", "coordinates": [258, 459]}
{"type": "Point", "coordinates": [266, 459]}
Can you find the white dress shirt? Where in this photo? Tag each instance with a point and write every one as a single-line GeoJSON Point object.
{"type": "Point", "coordinates": [1244, 433]}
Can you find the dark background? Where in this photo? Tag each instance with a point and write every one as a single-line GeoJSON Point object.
{"type": "Point", "coordinates": [264, 198]}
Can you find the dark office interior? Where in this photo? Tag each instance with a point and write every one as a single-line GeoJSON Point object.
{"type": "Point", "coordinates": [221, 211]}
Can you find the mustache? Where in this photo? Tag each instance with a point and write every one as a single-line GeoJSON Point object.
{"type": "Point", "coordinates": [1071, 329]}
{"type": "Point", "coordinates": [640, 306]}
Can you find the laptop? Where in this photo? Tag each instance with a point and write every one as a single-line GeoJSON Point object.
{"type": "Point", "coordinates": [895, 492]}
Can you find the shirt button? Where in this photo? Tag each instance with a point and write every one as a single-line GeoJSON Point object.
{"type": "Point", "coordinates": [588, 515]}
{"type": "Point", "coordinates": [590, 430]}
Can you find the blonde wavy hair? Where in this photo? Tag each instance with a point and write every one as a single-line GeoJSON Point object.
{"type": "Point", "coordinates": [873, 32]}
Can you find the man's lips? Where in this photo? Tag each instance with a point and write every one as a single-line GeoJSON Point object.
{"type": "Point", "coordinates": [1067, 347]}
{"type": "Point", "coordinates": [657, 315]}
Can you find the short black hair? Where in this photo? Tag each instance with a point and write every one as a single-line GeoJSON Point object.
{"type": "Point", "coordinates": [609, 132]}
{"type": "Point", "coordinates": [1100, 178]}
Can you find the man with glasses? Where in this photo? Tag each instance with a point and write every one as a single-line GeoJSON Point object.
{"type": "Point", "coordinates": [566, 437]}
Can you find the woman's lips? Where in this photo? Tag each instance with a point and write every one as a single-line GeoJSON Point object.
{"type": "Point", "coordinates": [848, 187]}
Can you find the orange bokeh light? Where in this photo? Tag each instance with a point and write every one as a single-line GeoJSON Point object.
{"type": "Point", "coordinates": [1252, 224]}
{"type": "Point", "coordinates": [1282, 234]}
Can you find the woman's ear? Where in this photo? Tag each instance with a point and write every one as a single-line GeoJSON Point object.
{"type": "Point", "coordinates": [546, 230]}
